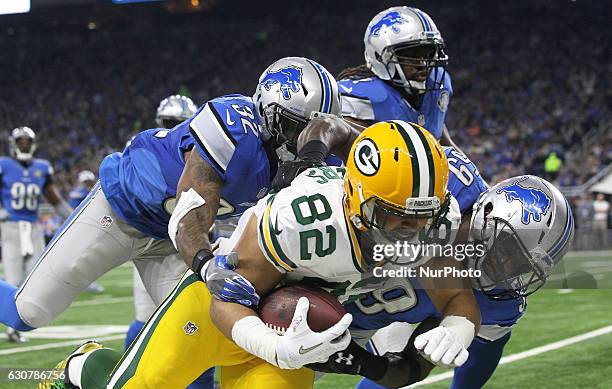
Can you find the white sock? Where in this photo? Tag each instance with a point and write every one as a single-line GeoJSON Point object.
{"type": "Point", "coordinates": [75, 367]}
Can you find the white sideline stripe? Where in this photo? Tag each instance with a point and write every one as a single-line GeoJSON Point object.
{"type": "Point", "coordinates": [17, 350]}
{"type": "Point", "coordinates": [525, 354]}
{"type": "Point", "coordinates": [113, 300]}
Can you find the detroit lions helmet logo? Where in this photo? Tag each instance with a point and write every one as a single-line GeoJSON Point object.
{"type": "Point", "coordinates": [289, 79]}
{"type": "Point", "coordinates": [390, 20]}
{"type": "Point", "coordinates": [535, 203]}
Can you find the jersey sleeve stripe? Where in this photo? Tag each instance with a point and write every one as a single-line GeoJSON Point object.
{"type": "Point", "coordinates": [355, 249]}
{"type": "Point", "coordinates": [266, 249]}
{"type": "Point", "coordinates": [270, 243]}
{"type": "Point", "coordinates": [213, 137]}
{"type": "Point", "coordinates": [222, 124]}
{"type": "Point", "coordinates": [357, 107]}
{"type": "Point", "coordinates": [210, 157]}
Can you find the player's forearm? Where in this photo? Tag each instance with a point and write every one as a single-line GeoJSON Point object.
{"type": "Point", "coordinates": [335, 133]}
{"type": "Point", "coordinates": [192, 234]}
{"type": "Point", "coordinates": [460, 304]}
{"type": "Point", "coordinates": [242, 325]}
{"type": "Point", "coordinates": [198, 194]}
{"type": "Point", "coordinates": [225, 314]}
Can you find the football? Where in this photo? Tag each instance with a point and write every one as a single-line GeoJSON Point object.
{"type": "Point", "coordinates": [277, 308]}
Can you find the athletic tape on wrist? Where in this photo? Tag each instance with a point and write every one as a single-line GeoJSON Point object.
{"type": "Point", "coordinates": [252, 334]}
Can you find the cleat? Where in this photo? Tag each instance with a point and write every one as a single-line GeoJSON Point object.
{"type": "Point", "coordinates": [15, 336]}
{"type": "Point", "coordinates": [61, 380]}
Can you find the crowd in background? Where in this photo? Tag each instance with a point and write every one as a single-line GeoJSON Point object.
{"type": "Point", "coordinates": [531, 79]}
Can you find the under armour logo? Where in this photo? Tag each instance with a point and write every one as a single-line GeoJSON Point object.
{"type": "Point", "coordinates": [348, 360]}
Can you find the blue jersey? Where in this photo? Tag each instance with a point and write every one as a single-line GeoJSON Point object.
{"type": "Point", "coordinates": [372, 99]}
{"type": "Point", "coordinates": [404, 300]}
{"type": "Point", "coordinates": [464, 180]}
{"type": "Point", "coordinates": [76, 195]}
{"type": "Point", "coordinates": [22, 186]}
{"type": "Point", "coordinates": [140, 183]}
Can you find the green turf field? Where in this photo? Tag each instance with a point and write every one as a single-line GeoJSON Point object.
{"type": "Point", "coordinates": [551, 316]}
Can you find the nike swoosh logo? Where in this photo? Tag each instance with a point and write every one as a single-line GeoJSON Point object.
{"type": "Point", "coordinates": [228, 119]}
{"type": "Point", "coordinates": [303, 350]}
{"type": "Point", "coordinates": [347, 90]}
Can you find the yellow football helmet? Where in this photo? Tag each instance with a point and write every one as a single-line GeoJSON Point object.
{"type": "Point", "coordinates": [395, 168]}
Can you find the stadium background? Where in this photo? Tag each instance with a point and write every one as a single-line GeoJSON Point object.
{"type": "Point", "coordinates": [530, 78]}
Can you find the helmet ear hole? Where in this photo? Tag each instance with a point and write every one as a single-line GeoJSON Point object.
{"type": "Point", "coordinates": [488, 208]}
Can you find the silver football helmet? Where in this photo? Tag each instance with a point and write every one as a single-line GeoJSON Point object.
{"type": "Point", "coordinates": [173, 110]}
{"type": "Point", "coordinates": [401, 38]}
{"type": "Point", "coordinates": [290, 92]}
{"type": "Point", "coordinates": [524, 226]}
{"type": "Point", "coordinates": [86, 176]}
{"type": "Point", "coordinates": [19, 133]}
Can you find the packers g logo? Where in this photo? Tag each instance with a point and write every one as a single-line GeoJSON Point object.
{"type": "Point", "coordinates": [366, 157]}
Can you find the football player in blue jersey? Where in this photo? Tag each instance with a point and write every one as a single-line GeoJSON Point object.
{"type": "Point", "coordinates": [157, 200]}
{"type": "Point", "coordinates": [525, 224]}
{"type": "Point", "coordinates": [24, 179]}
{"type": "Point", "coordinates": [404, 76]}
{"type": "Point", "coordinates": [171, 111]}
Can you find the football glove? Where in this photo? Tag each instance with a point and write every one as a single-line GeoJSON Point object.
{"type": "Point", "coordinates": [300, 345]}
{"type": "Point", "coordinates": [227, 285]}
{"type": "Point", "coordinates": [442, 346]}
{"type": "Point", "coordinates": [287, 172]}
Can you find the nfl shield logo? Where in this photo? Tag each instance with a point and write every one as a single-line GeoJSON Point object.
{"type": "Point", "coordinates": [190, 328]}
{"type": "Point", "coordinates": [106, 221]}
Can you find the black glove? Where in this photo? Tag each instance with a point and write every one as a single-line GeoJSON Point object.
{"type": "Point", "coordinates": [313, 154]}
{"type": "Point", "coordinates": [354, 360]}
{"type": "Point", "coordinates": [392, 370]}
{"type": "Point", "coordinates": [287, 172]}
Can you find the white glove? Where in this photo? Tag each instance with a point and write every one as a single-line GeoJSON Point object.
{"type": "Point", "coordinates": [300, 345]}
{"type": "Point", "coordinates": [4, 215]}
{"type": "Point", "coordinates": [442, 346]}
